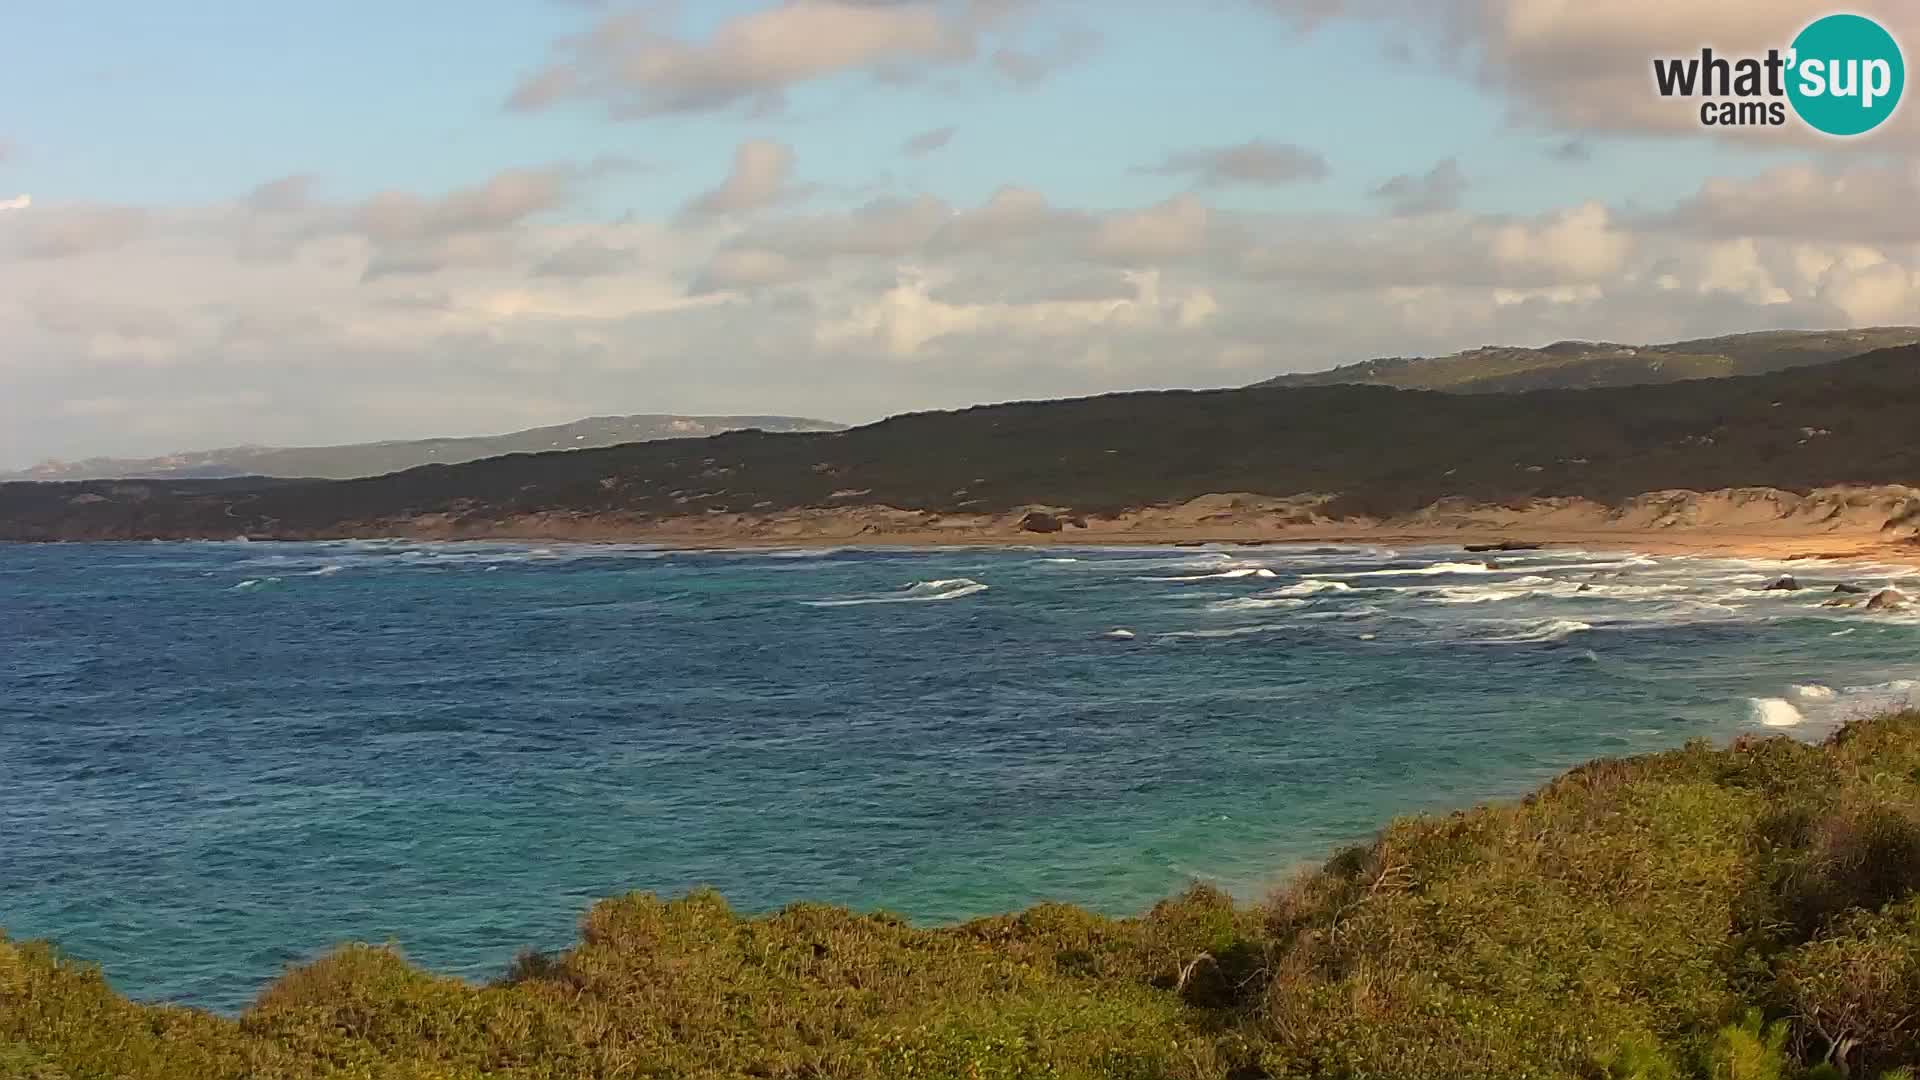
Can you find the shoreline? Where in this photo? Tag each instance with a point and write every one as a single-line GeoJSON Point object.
{"type": "Point", "coordinates": [1847, 522]}
{"type": "Point", "coordinates": [1834, 523]}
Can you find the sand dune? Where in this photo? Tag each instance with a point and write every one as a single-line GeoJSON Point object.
{"type": "Point", "coordinates": [1836, 522]}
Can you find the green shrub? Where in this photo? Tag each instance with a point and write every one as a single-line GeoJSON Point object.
{"type": "Point", "coordinates": [1855, 991]}
{"type": "Point", "coordinates": [1628, 921]}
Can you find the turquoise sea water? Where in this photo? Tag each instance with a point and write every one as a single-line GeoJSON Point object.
{"type": "Point", "coordinates": [219, 759]}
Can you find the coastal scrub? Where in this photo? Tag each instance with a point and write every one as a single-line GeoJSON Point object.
{"type": "Point", "coordinates": [1748, 912]}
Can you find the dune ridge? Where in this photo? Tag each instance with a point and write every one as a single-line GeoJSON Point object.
{"type": "Point", "coordinates": [1840, 521]}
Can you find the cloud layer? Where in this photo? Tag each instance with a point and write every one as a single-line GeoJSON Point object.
{"type": "Point", "coordinates": [300, 310]}
{"type": "Point", "coordinates": [636, 65]}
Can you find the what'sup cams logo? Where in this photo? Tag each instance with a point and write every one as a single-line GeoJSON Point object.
{"type": "Point", "coordinates": [1842, 75]}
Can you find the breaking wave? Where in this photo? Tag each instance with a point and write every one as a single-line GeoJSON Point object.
{"type": "Point", "coordinates": [1774, 712]}
{"type": "Point", "coordinates": [1543, 630]}
{"type": "Point", "coordinates": [919, 592]}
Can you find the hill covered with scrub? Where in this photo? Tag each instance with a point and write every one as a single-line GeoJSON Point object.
{"type": "Point", "coordinates": [1568, 365]}
{"type": "Point", "coordinates": [374, 458]}
{"type": "Point", "coordinates": [1749, 913]}
{"type": "Point", "coordinates": [1380, 451]}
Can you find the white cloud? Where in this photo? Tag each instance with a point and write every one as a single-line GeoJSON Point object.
{"type": "Point", "coordinates": [1436, 190]}
{"type": "Point", "coordinates": [634, 62]}
{"type": "Point", "coordinates": [18, 202]}
{"type": "Point", "coordinates": [519, 308]}
{"type": "Point", "coordinates": [1577, 244]}
{"type": "Point", "coordinates": [905, 318]}
{"type": "Point", "coordinates": [1175, 228]}
{"type": "Point", "coordinates": [1870, 203]}
{"type": "Point", "coordinates": [760, 177]}
{"type": "Point", "coordinates": [1587, 67]}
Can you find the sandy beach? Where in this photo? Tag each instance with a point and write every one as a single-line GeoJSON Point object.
{"type": "Point", "coordinates": [1831, 523]}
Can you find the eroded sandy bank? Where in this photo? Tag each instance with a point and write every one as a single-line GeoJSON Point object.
{"type": "Point", "coordinates": [1840, 522]}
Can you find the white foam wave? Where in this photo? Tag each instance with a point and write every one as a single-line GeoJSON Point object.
{"type": "Point", "coordinates": [1509, 565]}
{"type": "Point", "coordinates": [1308, 587]}
{"type": "Point", "coordinates": [1224, 632]}
{"type": "Point", "coordinates": [1418, 571]}
{"type": "Point", "coordinates": [1361, 612]}
{"type": "Point", "coordinates": [1540, 631]}
{"type": "Point", "coordinates": [1256, 603]}
{"type": "Point", "coordinates": [1828, 708]}
{"type": "Point", "coordinates": [1223, 575]}
{"type": "Point", "coordinates": [1774, 712]}
{"type": "Point", "coordinates": [1533, 586]}
{"type": "Point", "coordinates": [918, 592]}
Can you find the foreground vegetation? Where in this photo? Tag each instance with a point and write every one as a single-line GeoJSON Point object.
{"type": "Point", "coordinates": [1749, 913]}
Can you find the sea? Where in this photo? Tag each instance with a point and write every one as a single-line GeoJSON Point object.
{"type": "Point", "coordinates": [221, 759]}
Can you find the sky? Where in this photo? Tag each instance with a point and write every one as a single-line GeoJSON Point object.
{"type": "Point", "coordinates": [249, 221]}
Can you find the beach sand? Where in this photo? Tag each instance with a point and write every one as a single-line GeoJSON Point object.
{"type": "Point", "coordinates": [1839, 523]}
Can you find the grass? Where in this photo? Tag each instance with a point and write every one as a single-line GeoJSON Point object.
{"type": "Point", "coordinates": [1745, 913]}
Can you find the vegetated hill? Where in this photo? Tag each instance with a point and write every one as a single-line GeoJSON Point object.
{"type": "Point", "coordinates": [1493, 369]}
{"type": "Point", "coordinates": [1752, 912]}
{"type": "Point", "coordinates": [1380, 450]}
{"type": "Point", "coordinates": [375, 458]}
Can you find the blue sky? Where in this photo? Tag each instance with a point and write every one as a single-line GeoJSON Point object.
{"type": "Point", "coordinates": [196, 103]}
{"type": "Point", "coordinates": [139, 130]}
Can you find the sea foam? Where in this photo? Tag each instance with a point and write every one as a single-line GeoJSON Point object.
{"type": "Point", "coordinates": [916, 593]}
{"type": "Point", "coordinates": [1774, 712]}
{"type": "Point", "coordinates": [1308, 587]}
{"type": "Point", "coordinates": [1238, 572]}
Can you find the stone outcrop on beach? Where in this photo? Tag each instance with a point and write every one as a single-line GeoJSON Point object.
{"type": "Point", "coordinates": [1888, 600]}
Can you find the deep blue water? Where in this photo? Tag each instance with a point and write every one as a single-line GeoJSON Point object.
{"type": "Point", "coordinates": [219, 759]}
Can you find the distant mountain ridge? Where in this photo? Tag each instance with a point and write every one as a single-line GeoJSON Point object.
{"type": "Point", "coordinates": [349, 461]}
{"type": "Point", "coordinates": [1582, 365]}
{"type": "Point", "coordinates": [1359, 451]}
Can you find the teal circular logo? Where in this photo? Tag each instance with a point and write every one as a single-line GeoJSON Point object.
{"type": "Point", "coordinates": [1846, 74]}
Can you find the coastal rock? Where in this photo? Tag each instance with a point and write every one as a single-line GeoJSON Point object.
{"type": "Point", "coordinates": [1888, 600]}
{"type": "Point", "coordinates": [1075, 520]}
{"type": "Point", "coordinates": [1839, 601]}
{"type": "Point", "coordinates": [1040, 522]}
{"type": "Point", "coordinates": [1783, 583]}
{"type": "Point", "coordinates": [1504, 545]}
{"type": "Point", "coordinates": [1850, 590]}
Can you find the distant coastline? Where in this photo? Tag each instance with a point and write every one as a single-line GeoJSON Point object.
{"type": "Point", "coordinates": [1830, 523]}
{"type": "Point", "coordinates": [1834, 523]}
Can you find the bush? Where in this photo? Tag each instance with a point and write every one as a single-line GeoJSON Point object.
{"type": "Point", "coordinates": [1740, 914]}
{"type": "Point", "coordinates": [1855, 992]}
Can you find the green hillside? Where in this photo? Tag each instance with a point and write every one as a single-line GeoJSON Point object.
{"type": "Point", "coordinates": [1565, 365]}
{"type": "Point", "coordinates": [1379, 450]}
